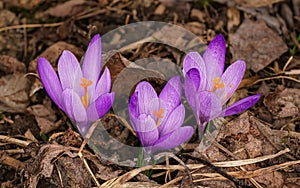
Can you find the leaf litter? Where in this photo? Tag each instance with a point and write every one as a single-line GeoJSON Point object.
{"type": "Point", "coordinates": [258, 32]}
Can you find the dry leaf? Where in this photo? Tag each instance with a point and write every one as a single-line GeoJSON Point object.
{"type": "Point", "coordinates": [234, 19]}
{"type": "Point", "coordinates": [13, 95]}
{"type": "Point", "coordinates": [53, 52]}
{"type": "Point", "coordinates": [256, 3]}
{"type": "Point", "coordinates": [45, 117]}
{"type": "Point", "coordinates": [68, 8]}
{"type": "Point", "coordinates": [160, 10]}
{"type": "Point", "coordinates": [285, 102]}
{"type": "Point", "coordinates": [7, 18]}
{"type": "Point", "coordinates": [28, 4]}
{"type": "Point", "coordinates": [257, 44]}
{"type": "Point", "coordinates": [72, 169]}
{"type": "Point", "coordinates": [200, 15]}
{"type": "Point", "coordinates": [11, 65]}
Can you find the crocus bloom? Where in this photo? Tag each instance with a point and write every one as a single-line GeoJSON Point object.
{"type": "Point", "coordinates": [157, 120]}
{"type": "Point", "coordinates": [80, 92]}
{"type": "Point", "coordinates": [208, 87]}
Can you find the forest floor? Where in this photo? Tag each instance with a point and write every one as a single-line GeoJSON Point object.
{"type": "Point", "coordinates": [39, 147]}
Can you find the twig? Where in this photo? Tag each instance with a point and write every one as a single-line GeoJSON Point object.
{"type": "Point", "coordinates": [14, 141]}
{"type": "Point", "coordinates": [235, 157]}
{"type": "Point", "coordinates": [59, 175]}
{"type": "Point", "coordinates": [10, 161]}
{"type": "Point", "coordinates": [276, 77]}
{"type": "Point", "coordinates": [287, 63]}
{"type": "Point", "coordinates": [219, 170]}
{"type": "Point", "coordinates": [86, 164]}
{"type": "Point", "coordinates": [30, 26]}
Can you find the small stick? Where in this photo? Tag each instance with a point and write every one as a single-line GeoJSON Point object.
{"type": "Point", "coordinates": [14, 141]}
{"type": "Point", "coordinates": [30, 26]}
{"type": "Point", "coordinates": [10, 161]}
{"type": "Point", "coordinates": [86, 164]}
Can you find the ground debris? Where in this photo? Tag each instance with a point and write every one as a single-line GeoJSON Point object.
{"type": "Point", "coordinates": [13, 95]}
{"type": "Point", "coordinates": [56, 164]}
{"type": "Point", "coordinates": [263, 43]}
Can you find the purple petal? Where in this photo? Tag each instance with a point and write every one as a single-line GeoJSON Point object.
{"type": "Point", "coordinates": [173, 121]}
{"type": "Point", "coordinates": [214, 57]}
{"type": "Point", "coordinates": [194, 76]}
{"type": "Point", "coordinates": [132, 106]}
{"type": "Point", "coordinates": [69, 72]}
{"type": "Point", "coordinates": [50, 81]}
{"type": "Point", "coordinates": [104, 103]}
{"type": "Point", "coordinates": [191, 81]}
{"type": "Point", "coordinates": [232, 77]}
{"type": "Point", "coordinates": [91, 66]}
{"type": "Point", "coordinates": [194, 61]}
{"type": "Point", "coordinates": [92, 113]}
{"type": "Point", "coordinates": [171, 94]}
{"type": "Point", "coordinates": [74, 107]}
{"type": "Point", "coordinates": [146, 95]}
{"type": "Point", "coordinates": [174, 139]}
{"type": "Point", "coordinates": [242, 105]}
{"type": "Point", "coordinates": [209, 107]}
{"type": "Point", "coordinates": [104, 83]}
{"type": "Point", "coordinates": [145, 128]}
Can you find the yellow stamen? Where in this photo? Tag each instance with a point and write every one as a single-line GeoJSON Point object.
{"type": "Point", "coordinates": [85, 98]}
{"type": "Point", "coordinates": [159, 115]}
{"type": "Point", "coordinates": [217, 85]}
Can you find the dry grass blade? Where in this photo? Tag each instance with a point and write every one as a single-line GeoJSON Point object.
{"type": "Point", "coordinates": [14, 141]}
{"type": "Point", "coordinates": [86, 164]}
{"type": "Point", "coordinates": [30, 26]}
{"type": "Point", "coordinates": [12, 162]}
{"type": "Point", "coordinates": [117, 182]}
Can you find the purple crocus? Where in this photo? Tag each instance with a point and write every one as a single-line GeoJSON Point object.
{"type": "Point", "coordinates": [208, 87]}
{"type": "Point", "coordinates": [79, 91]}
{"type": "Point", "coordinates": [157, 120]}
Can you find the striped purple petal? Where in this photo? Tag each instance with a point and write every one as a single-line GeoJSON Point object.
{"type": "Point", "coordinates": [69, 72]}
{"type": "Point", "coordinates": [241, 105]}
{"type": "Point", "coordinates": [50, 81]}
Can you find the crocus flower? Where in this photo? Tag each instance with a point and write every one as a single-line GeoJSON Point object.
{"type": "Point", "coordinates": [157, 120]}
{"type": "Point", "coordinates": [79, 91]}
{"type": "Point", "coordinates": [208, 87]}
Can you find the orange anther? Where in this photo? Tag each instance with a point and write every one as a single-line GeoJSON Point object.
{"type": "Point", "coordinates": [159, 115]}
{"type": "Point", "coordinates": [85, 98]}
{"type": "Point", "coordinates": [217, 85]}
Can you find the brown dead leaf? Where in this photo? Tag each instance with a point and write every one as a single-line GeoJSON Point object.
{"type": "Point", "coordinates": [263, 43]}
{"type": "Point", "coordinates": [68, 8]}
{"type": "Point", "coordinates": [11, 65]}
{"type": "Point", "coordinates": [41, 166]}
{"type": "Point", "coordinates": [244, 136]}
{"type": "Point", "coordinates": [7, 18]}
{"type": "Point", "coordinates": [284, 102]}
{"type": "Point", "coordinates": [42, 111]}
{"type": "Point", "coordinates": [178, 5]}
{"type": "Point", "coordinates": [273, 179]}
{"type": "Point", "coordinates": [200, 15]}
{"type": "Point", "coordinates": [256, 3]}
{"type": "Point", "coordinates": [13, 95]}
{"type": "Point", "coordinates": [234, 19]}
{"type": "Point", "coordinates": [28, 4]}
{"type": "Point", "coordinates": [53, 52]}
{"type": "Point", "coordinates": [160, 10]}
{"type": "Point", "coordinates": [45, 117]}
